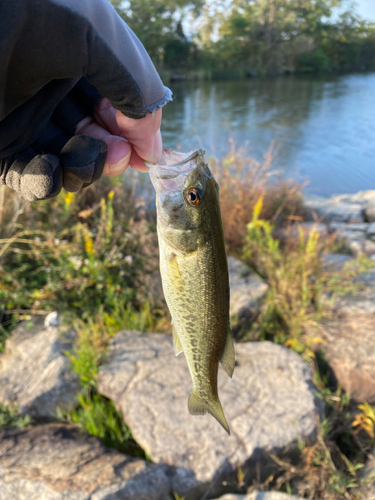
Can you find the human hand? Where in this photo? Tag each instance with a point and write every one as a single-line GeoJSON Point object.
{"type": "Point", "coordinates": [129, 141]}
{"type": "Point", "coordinates": [56, 130]}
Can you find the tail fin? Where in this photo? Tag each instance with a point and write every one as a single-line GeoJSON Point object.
{"type": "Point", "coordinates": [198, 406]}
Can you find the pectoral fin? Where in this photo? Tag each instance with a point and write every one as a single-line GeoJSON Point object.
{"type": "Point", "coordinates": [177, 347]}
{"type": "Point", "coordinates": [227, 359]}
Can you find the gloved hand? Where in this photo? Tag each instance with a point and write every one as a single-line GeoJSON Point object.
{"type": "Point", "coordinates": [56, 130]}
{"type": "Point", "coordinates": [58, 158]}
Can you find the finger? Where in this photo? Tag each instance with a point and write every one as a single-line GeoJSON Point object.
{"type": "Point", "coordinates": [81, 157]}
{"type": "Point", "coordinates": [144, 134]}
{"type": "Point", "coordinates": [82, 160]}
{"type": "Point", "coordinates": [34, 177]}
{"type": "Point", "coordinates": [119, 150]}
{"type": "Point", "coordinates": [137, 163]}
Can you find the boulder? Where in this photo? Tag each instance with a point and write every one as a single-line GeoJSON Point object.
{"type": "Point", "coordinates": [335, 261]}
{"type": "Point", "coordinates": [371, 231]}
{"type": "Point", "coordinates": [367, 479]}
{"type": "Point", "coordinates": [369, 212]}
{"type": "Point", "coordinates": [293, 231]}
{"type": "Point", "coordinates": [247, 289]}
{"type": "Point", "coordinates": [34, 371]}
{"type": "Point", "coordinates": [333, 209]}
{"type": "Point", "coordinates": [349, 344]}
{"type": "Point", "coordinates": [364, 198]}
{"type": "Point", "coordinates": [269, 404]}
{"type": "Point", "coordinates": [57, 462]}
{"type": "Point", "coordinates": [362, 302]}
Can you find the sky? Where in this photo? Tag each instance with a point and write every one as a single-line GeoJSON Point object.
{"type": "Point", "coordinates": [366, 9]}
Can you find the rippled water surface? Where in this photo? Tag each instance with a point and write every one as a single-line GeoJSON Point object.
{"type": "Point", "coordinates": [323, 128]}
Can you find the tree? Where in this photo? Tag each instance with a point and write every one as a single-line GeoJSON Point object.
{"type": "Point", "coordinates": [158, 23]}
{"type": "Point", "coordinates": [264, 27]}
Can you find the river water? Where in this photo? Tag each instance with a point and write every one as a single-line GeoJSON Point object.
{"type": "Point", "coordinates": [322, 129]}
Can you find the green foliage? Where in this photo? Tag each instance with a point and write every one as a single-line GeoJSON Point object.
{"type": "Point", "coordinates": [313, 62]}
{"type": "Point", "coordinates": [78, 260]}
{"type": "Point", "coordinates": [294, 276]}
{"type": "Point", "coordinates": [260, 37]}
{"type": "Point", "coordinates": [158, 24]}
{"type": "Point", "coordinates": [9, 417]}
{"type": "Point", "coordinates": [96, 414]}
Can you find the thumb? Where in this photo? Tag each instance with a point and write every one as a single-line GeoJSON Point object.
{"type": "Point", "coordinates": [143, 134]}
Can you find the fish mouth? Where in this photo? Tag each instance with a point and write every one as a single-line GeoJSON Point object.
{"type": "Point", "coordinates": [170, 173]}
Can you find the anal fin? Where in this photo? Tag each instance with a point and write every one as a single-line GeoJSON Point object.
{"type": "Point", "coordinates": [198, 406]}
{"type": "Point", "coordinates": [177, 347]}
{"type": "Point", "coordinates": [227, 359]}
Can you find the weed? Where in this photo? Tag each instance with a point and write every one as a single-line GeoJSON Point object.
{"type": "Point", "coordinates": [95, 413]}
{"type": "Point", "coordinates": [294, 276]}
{"type": "Point", "coordinates": [242, 181]}
{"type": "Point", "coordinates": [78, 261]}
{"type": "Point", "coordinates": [9, 417]}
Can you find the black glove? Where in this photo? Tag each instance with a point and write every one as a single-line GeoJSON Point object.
{"type": "Point", "coordinates": [56, 56]}
{"type": "Point", "coordinates": [58, 158]}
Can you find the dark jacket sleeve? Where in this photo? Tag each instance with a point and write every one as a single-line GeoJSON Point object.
{"type": "Point", "coordinates": [46, 46]}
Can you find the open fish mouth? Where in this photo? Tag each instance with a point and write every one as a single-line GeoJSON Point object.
{"type": "Point", "coordinates": [173, 168]}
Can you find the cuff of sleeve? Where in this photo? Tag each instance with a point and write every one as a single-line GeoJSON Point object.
{"type": "Point", "coordinates": [167, 97]}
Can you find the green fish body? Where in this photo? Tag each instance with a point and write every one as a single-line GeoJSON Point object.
{"type": "Point", "coordinates": [194, 271]}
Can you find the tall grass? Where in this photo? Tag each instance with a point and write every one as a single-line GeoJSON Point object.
{"type": "Point", "coordinates": [77, 257]}
{"type": "Point", "coordinates": [243, 181]}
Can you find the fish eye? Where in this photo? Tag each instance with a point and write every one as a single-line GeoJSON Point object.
{"type": "Point", "coordinates": [193, 197]}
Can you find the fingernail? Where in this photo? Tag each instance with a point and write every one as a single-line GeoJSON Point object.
{"type": "Point", "coordinates": [120, 166]}
{"type": "Point", "coordinates": [158, 147]}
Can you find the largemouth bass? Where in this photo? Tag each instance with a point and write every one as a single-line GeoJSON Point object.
{"type": "Point", "coordinates": [194, 271]}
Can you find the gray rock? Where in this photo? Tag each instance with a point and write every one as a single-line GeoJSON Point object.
{"type": "Point", "coordinates": [361, 303]}
{"type": "Point", "coordinates": [261, 495]}
{"type": "Point", "coordinates": [57, 462]}
{"type": "Point", "coordinates": [52, 320]}
{"type": "Point", "coordinates": [350, 352]}
{"type": "Point", "coordinates": [364, 198]}
{"type": "Point", "coordinates": [34, 371]}
{"type": "Point", "coordinates": [367, 479]}
{"type": "Point", "coordinates": [350, 229]}
{"type": "Point", "coordinates": [269, 403]}
{"type": "Point", "coordinates": [333, 209]}
{"type": "Point", "coordinates": [369, 247]}
{"type": "Point", "coordinates": [247, 290]}
{"type": "Point", "coordinates": [336, 226]}
{"type": "Point", "coordinates": [369, 212]}
{"type": "Point", "coordinates": [356, 246]}
{"type": "Point", "coordinates": [306, 227]}
{"type": "Point", "coordinates": [336, 261]}
{"type": "Point", "coordinates": [371, 231]}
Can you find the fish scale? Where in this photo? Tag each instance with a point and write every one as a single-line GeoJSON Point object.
{"type": "Point", "coordinates": [194, 271]}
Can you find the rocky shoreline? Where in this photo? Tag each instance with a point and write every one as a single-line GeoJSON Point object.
{"type": "Point", "coordinates": [271, 403]}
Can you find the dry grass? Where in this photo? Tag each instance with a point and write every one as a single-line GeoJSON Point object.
{"type": "Point", "coordinates": [243, 181]}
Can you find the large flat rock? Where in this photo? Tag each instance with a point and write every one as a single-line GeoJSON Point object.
{"type": "Point", "coordinates": [361, 302]}
{"type": "Point", "coordinates": [247, 289]}
{"type": "Point", "coordinates": [349, 342]}
{"type": "Point", "coordinates": [56, 462]}
{"type": "Point", "coordinates": [34, 371]}
{"type": "Point", "coordinates": [269, 403]}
